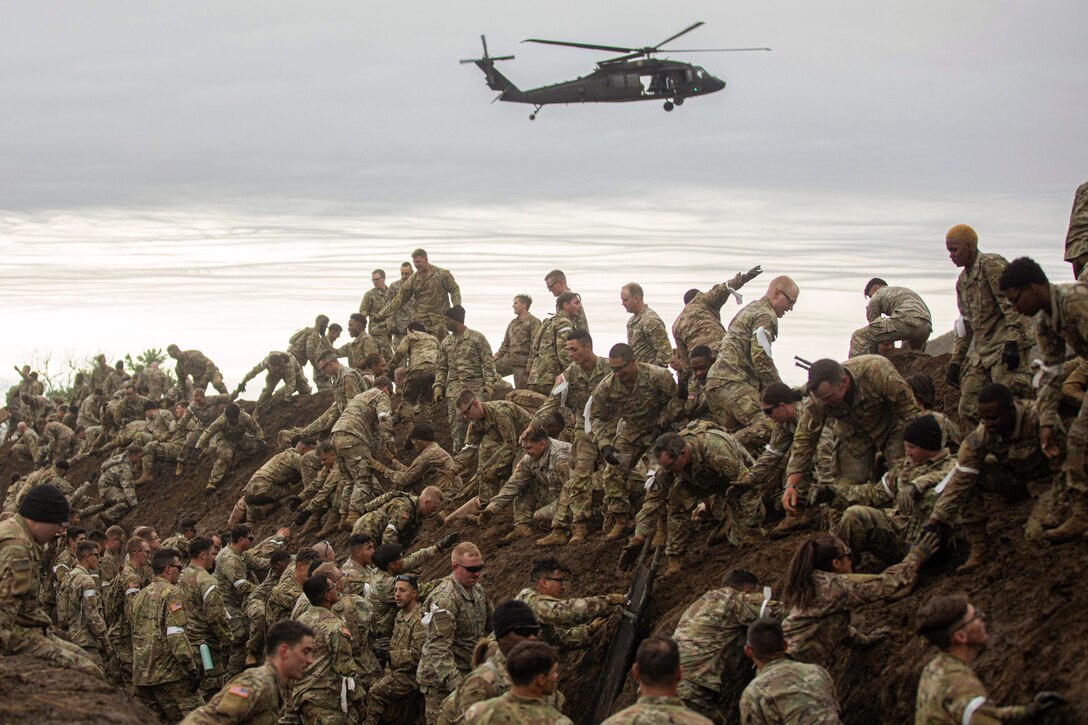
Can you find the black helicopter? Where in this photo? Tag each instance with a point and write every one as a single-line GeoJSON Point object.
{"type": "Point", "coordinates": [634, 76]}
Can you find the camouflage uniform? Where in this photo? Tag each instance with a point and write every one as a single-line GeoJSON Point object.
{"type": "Point", "coordinates": [177, 541]}
{"type": "Point", "coordinates": [744, 367]}
{"type": "Point", "coordinates": [576, 497]}
{"type": "Point", "coordinates": [357, 614]}
{"type": "Point", "coordinates": [316, 696]}
{"type": "Point", "coordinates": [564, 623]}
{"type": "Point", "coordinates": [512, 357]}
{"type": "Point", "coordinates": [207, 623]}
{"type": "Point", "coordinates": [456, 619]}
{"type": "Point", "coordinates": [401, 318]}
{"type": "Point", "coordinates": [278, 477]}
{"type": "Point", "coordinates": [307, 345]}
{"type": "Point", "coordinates": [359, 348]}
{"type": "Point", "coordinates": [242, 437]}
{"type": "Point", "coordinates": [629, 419]}
{"type": "Point", "coordinates": [493, 442]}
{"type": "Point", "coordinates": [90, 417]}
{"type": "Point", "coordinates": [814, 632]}
{"type": "Point", "coordinates": [156, 381]}
{"type": "Point", "coordinates": [116, 489]}
{"type": "Point", "coordinates": [235, 582]}
{"type": "Point", "coordinates": [870, 419]}
{"type": "Point", "coordinates": [282, 598]}
{"type": "Point", "coordinates": [649, 710]}
{"type": "Point", "coordinates": [83, 607]}
{"type": "Point", "coordinates": [253, 697]}
{"type": "Point", "coordinates": [433, 294]}
{"type": "Point", "coordinates": [711, 636]}
{"type": "Point", "coordinates": [357, 577]}
{"type": "Point", "coordinates": [785, 691]}
{"type": "Point", "coordinates": [511, 709]}
{"type": "Point", "coordinates": [418, 354]}
{"type": "Point", "coordinates": [535, 484]}
{"type": "Point", "coordinates": [392, 517]}
{"type": "Point", "coordinates": [294, 380]}
{"type": "Point", "coordinates": [399, 681]}
{"type": "Point", "coordinates": [196, 420]}
{"type": "Point", "coordinates": [255, 610]}
{"type": "Point", "coordinates": [433, 467]}
{"type": "Point", "coordinates": [380, 595]}
{"type": "Point", "coordinates": [114, 381]}
{"type": "Point", "coordinates": [768, 473]}
{"type": "Point", "coordinates": [990, 321]}
{"type": "Point", "coordinates": [699, 323]}
{"type": "Point", "coordinates": [167, 449]}
{"type": "Point", "coordinates": [381, 330]}
{"type": "Point", "coordinates": [1075, 380]}
{"type": "Point", "coordinates": [25, 446]}
{"type": "Point", "coordinates": [193, 363]}
{"type": "Point", "coordinates": [548, 354]}
{"type": "Point", "coordinates": [893, 313]}
{"type": "Point", "coordinates": [464, 363]}
{"type": "Point", "coordinates": [360, 433]}
{"type": "Point", "coordinates": [647, 336]}
{"type": "Point", "coordinates": [119, 600]}
{"type": "Point", "coordinates": [949, 692]}
{"type": "Point", "coordinates": [56, 442]}
{"type": "Point", "coordinates": [1076, 239]}
{"type": "Point", "coordinates": [345, 384]}
{"type": "Point", "coordinates": [162, 655]}
{"type": "Point", "coordinates": [489, 680]}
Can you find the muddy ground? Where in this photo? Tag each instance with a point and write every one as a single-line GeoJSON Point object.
{"type": "Point", "coordinates": [1034, 596]}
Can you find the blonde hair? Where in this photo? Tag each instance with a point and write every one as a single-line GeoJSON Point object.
{"type": "Point", "coordinates": [465, 548]}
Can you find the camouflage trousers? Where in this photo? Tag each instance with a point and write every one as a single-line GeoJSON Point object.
{"type": "Point", "coordinates": [315, 712]}
{"type": "Point", "coordinates": [239, 632]}
{"type": "Point", "coordinates": [701, 699]}
{"type": "Point", "coordinates": [735, 406]}
{"type": "Point", "coordinates": [521, 378]}
{"type": "Point", "coordinates": [392, 688]}
{"type": "Point", "coordinates": [1002, 481]}
{"type": "Point", "coordinates": [270, 394]}
{"type": "Point", "coordinates": [915, 333]}
{"type": "Point", "coordinates": [210, 377]}
{"type": "Point", "coordinates": [171, 700]}
{"type": "Point", "coordinates": [458, 425]}
{"type": "Point", "coordinates": [256, 615]}
{"type": "Point", "coordinates": [865, 528]}
{"type": "Point", "coordinates": [975, 376]}
{"type": "Point", "coordinates": [418, 391]}
{"type": "Point", "coordinates": [352, 459]}
{"type": "Point", "coordinates": [434, 697]}
{"type": "Point", "coordinates": [156, 451]}
{"type": "Point", "coordinates": [41, 644]}
{"type": "Point", "coordinates": [628, 476]}
{"type": "Point", "coordinates": [226, 452]}
{"type": "Point", "coordinates": [1076, 477]}
{"type": "Point", "coordinates": [575, 501]}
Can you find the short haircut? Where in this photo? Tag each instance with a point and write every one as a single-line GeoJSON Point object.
{"type": "Point", "coordinates": [306, 556]}
{"type": "Point", "coordinates": [765, 637]}
{"type": "Point", "coordinates": [136, 543]}
{"type": "Point", "coordinates": [525, 300]}
{"type": "Point", "coordinates": [465, 548]}
{"type": "Point", "coordinates": [556, 275]}
{"type": "Point", "coordinates": [327, 356]}
{"type": "Point", "coordinates": [232, 410]}
{"type": "Point", "coordinates": [277, 556]}
{"type": "Point", "coordinates": [73, 533]}
{"type": "Point", "coordinates": [701, 351]}
{"type": "Point", "coordinates": [199, 545]}
{"type": "Point", "coordinates": [379, 272]}
{"type": "Point", "coordinates": [357, 540]}
{"type": "Point", "coordinates": [582, 337]}
{"type": "Point", "coordinates": [634, 289]}
{"type": "Point", "coordinates": [996, 393]}
{"type": "Point", "coordinates": [823, 371]}
{"type": "Point", "coordinates": [622, 351]}
{"type": "Point", "coordinates": [923, 389]}
{"type": "Point", "coordinates": [288, 631]}
{"type": "Point", "coordinates": [324, 447]}
{"type": "Point", "coordinates": [415, 326]}
{"type": "Point", "coordinates": [358, 317]}
{"type": "Point", "coordinates": [420, 252]}
{"type": "Point", "coordinates": [543, 567]}
{"type": "Point", "coordinates": [938, 619]}
{"type": "Point", "coordinates": [97, 536]}
{"type": "Point", "coordinates": [778, 393]}
{"type": "Point", "coordinates": [739, 578]}
{"type": "Point", "coordinates": [151, 405]}
{"type": "Point", "coordinates": [658, 660]}
{"type": "Point", "coordinates": [115, 532]}
{"type": "Point", "coordinates": [1020, 273]}
{"type": "Point", "coordinates": [85, 547]}
{"type": "Point", "coordinates": [241, 531]}
{"type": "Point", "coordinates": [164, 558]}
{"type": "Point", "coordinates": [372, 359]}
{"type": "Point", "coordinates": [382, 381]}
{"type": "Point", "coordinates": [187, 523]}
{"type": "Point", "coordinates": [529, 659]}
{"type": "Point", "coordinates": [134, 449]}
{"type": "Point", "coordinates": [336, 327]}
{"type": "Point", "coordinates": [434, 493]}
{"type": "Point", "coordinates": [566, 298]}
{"type": "Point", "coordinates": [671, 443]}
{"type": "Point", "coordinates": [537, 434]}
{"type": "Point", "coordinates": [465, 398]}
{"type": "Point", "coordinates": [315, 588]}
{"type": "Point", "coordinates": [872, 283]}
{"type": "Point", "coordinates": [422, 432]}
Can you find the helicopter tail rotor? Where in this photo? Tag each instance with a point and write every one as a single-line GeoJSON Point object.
{"type": "Point", "coordinates": [495, 81]}
{"type": "Point", "coordinates": [486, 58]}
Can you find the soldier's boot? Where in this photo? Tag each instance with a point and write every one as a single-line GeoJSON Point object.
{"type": "Point", "coordinates": [980, 548]}
{"type": "Point", "coordinates": [312, 524]}
{"type": "Point", "coordinates": [211, 487]}
{"type": "Point", "coordinates": [237, 514]}
{"type": "Point", "coordinates": [144, 478]}
{"type": "Point", "coordinates": [180, 468]}
{"type": "Point", "coordinates": [720, 535]}
{"type": "Point", "coordinates": [330, 528]}
{"type": "Point", "coordinates": [579, 532]}
{"type": "Point", "coordinates": [347, 523]}
{"type": "Point", "coordinates": [520, 531]}
{"type": "Point", "coordinates": [792, 523]}
{"type": "Point", "coordinates": [675, 565]}
{"type": "Point", "coordinates": [661, 535]}
{"type": "Point", "coordinates": [1076, 525]}
{"type": "Point", "coordinates": [621, 524]}
{"type": "Point", "coordinates": [558, 537]}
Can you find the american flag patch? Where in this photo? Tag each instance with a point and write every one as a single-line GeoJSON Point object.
{"type": "Point", "coordinates": [239, 691]}
{"type": "Point", "coordinates": [175, 606]}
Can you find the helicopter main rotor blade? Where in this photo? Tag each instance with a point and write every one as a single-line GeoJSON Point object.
{"type": "Point", "coordinates": [682, 32]}
{"type": "Point", "coordinates": [587, 46]}
{"type": "Point", "coordinates": [713, 50]}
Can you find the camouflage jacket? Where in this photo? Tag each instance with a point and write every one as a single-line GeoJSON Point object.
{"type": "Point", "coordinates": [699, 323]}
{"type": "Point", "coordinates": [332, 659]}
{"type": "Point", "coordinates": [712, 632]}
{"type": "Point", "coordinates": [657, 711]}
{"type": "Point", "coordinates": [307, 344]}
{"type": "Point", "coordinates": [177, 541]}
{"type": "Point", "coordinates": [433, 294]}
{"type": "Point", "coordinates": [1064, 324]}
{"type": "Point", "coordinates": [900, 303]}
{"type": "Point", "coordinates": [489, 680]}
{"type": "Point", "coordinates": [790, 692]}
{"type": "Point", "coordinates": [989, 319]}
{"type": "Point", "coordinates": [291, 375]}
{"type": "Point", "coordinates": [283, 469]}
{"type": "Point", "coordinates": [433, 467]}
{"type": "Point", "coordinates": [950, 693]}
{"type": "Point", "coordinates": [500, 429]}
{"type": "Point", "coordinates": [232, 432]}
{"type": "Point", "coordinates": [83, 605]}
{"type": "Point", "coordinates": [518, 342]}
{"type": "Point", "coordinates": [548, 354]}
{"type": "Point", "coordinates": [814, 631]}
{"type": "Point", "coordinates": [160, 648]}
{"type": "Point", "coordinates": [357, 577]}
{"type": "Point", "coordinates": [873, 414]}
{"type": "Point", "coordinates": [358, 349]}
{"type": "Point", "coordinates": [368, 416]}
{"type": "Point", "coordinates": [545, 476]}
{"type": "Point", "coordinates": [717, 460]}
{"type": "Point", "coordinates": [253, 697]}
{"type": "Point", "coordinates": [356, 613]}
{"type": "Point", "coordinates": [407, 641]}
{"type": "Point", "coordinates": [371, 304]}
{"type": "Point", "coordinates": [564, 623]}
{"type": "Point", "coordinates": [199, 417]}
{"type": "Point", "coordinates": [1018, 454]}
{"type": "Point", "coordinates": [391, 518]}
{"type": "Point", "coordinates": [580, 386]}
{"type": "Point", "coordinates": [155, 380]}
{"type": "Point", "coordinates": [1076, 239]}
{"type": "Point", "coordinates": [417, 351]}
{"type": "Point", "coordinates": [115, 481]}
{"type": "Point", "coordinates": [235, 581]}
{"type": "Point", "coordinates": [204, 608]}
{"type": "Point", "coordinates": [622, 413]}
{"type": "Point", "coordinates": [511, 709]}
{"type": "Point", "coordinates": [119, 604]}
{"type": "Point", "coordinates": [194, 364]}
{"type": "Point", "coordinates": [771, 463]}
{"type": "Point", "coordinates": [745, 352]}
{"type": "Point", "coordinates": [346, 384]}
{"type": "Point", "coordinates": [282, 598]}
{"type": "Point", "coordinates": [90, 413]}
{"type": "Point", "coordinates": [380, 597]}
{"type": "Point", "coordinates": [464, 361]}
{"type": "Point", "coordinates": [456, 619]}
{"type": "Point", "coordinates": [647, 336]}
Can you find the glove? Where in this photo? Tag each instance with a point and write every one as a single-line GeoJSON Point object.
{"type": "Point", "coordinates": [1045, 701]}
{"type": "Point", "coordinates": [1011, 355]}
{"type": "Point", "coordinates": [294, 502]}
{"type": "Point", "coordinates": [241, 387]}
{"type": "Point", "coordinates": [597, 623]}
{"type": "Point", "coordinates": [907, 496]}
{"type": "Point", "coordinates": [448, 540]}
{"type": "Point", "coordinates": [952, 375]}
{"type": "Point", "coordinates": [752, 273]}
{"type": "Point", "coordinates": [303, 517]}
{"type": "Point", "coordinates": [439, 394]}
{"type": "Point", "coordinates": [682, 390]}
{"type": "Point", "coordinates": [823, 494]}
{"type": "Point", "coordinates": [194, 680]}
{"type": "Point", "coordinates": [630, 553]}
{"type": "Point", "coordinates": [608, 453]}
{"type": "Point", "coordinates": [927, 546]}
{"type": "Point", "coordinates": [485, 518]}
{"type": "Point", "coordinates": [617, 599]}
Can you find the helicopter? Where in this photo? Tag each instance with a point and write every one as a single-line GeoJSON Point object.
{"type": "Point", "coordinates": [634, 76]}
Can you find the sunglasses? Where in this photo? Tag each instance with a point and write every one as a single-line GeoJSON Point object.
{"type": "Point", "coordinates": [979, 614]}
{"type": "Point", "coordinates": [470, 569]}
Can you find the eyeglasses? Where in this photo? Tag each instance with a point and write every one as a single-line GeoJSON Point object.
{"type": "Point", "coordinates": [470, 569]}
{"type": "Point", "coordinates": [791, 300]}
{"type": "Point", "coordinates": [979, 614]}
{"type": "Point", "coordinates": [1009, 296]}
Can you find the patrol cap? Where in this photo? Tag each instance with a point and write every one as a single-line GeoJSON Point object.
{"type": "Point", "coordinates": [456, 313]}
{"type": "Point", "coordinates": [46, 504]}
{"type": "Point", "coordinates": [512, 614]}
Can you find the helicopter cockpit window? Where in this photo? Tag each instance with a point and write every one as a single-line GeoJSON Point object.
{"type": "Point", "coordinates": [699, 72]}
{"type": "Point", "coordinates": [687, 75]}
{"type": "Point", "coordinates": [633, 81]}
{"type": "Point", "coordinates": [616, 80]}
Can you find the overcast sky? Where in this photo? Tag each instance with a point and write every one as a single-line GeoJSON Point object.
{"type": "Point", "coordinates": [219, 173]}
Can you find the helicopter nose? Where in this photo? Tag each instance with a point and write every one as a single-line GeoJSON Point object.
{"type": "Point", "coordinates": [716, 83]}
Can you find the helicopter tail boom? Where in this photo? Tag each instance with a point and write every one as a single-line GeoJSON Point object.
{"type": "Point", "coordinates": [496, 81]}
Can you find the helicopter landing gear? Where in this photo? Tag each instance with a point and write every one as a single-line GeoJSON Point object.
{"type": "Point", "coordinates": [668, 105]}
{"type": "Point", "coordinates": [679, 101]}
{"type": "Point", "coordinates": [536, 110]}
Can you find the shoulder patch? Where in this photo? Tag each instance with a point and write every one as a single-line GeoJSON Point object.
{"type": "Point", "coordinates": [346, 632]}
{"type": "Point", "coordinates": [175, 606]}
{"type": "Point", "coordinates": [239, 691]}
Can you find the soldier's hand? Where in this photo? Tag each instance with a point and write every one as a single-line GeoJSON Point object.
{"type": "Point", "coordinates": [485, 518]}
{"type": "Point", "coordinates": [1045, 701]}
{"type": "Point", "coordinates": [1011, 355]}
{"type": "Point", "coordinates": [619, 600]}
{"type": "Point", "coordinates": [631, 551]}
{"type": "Point", "coordinates": [752, 273]}
{"type": "Point", "coordinates": [699, 511]}
{"type": "Point", "coordinates": [241, 387]}
{"type": "Point", "coordinates": [284, 533]}
{"type": "Point", "coordinates": [439, 394]}
{"type": "Point", "coordinates": [608, 453]}
{"type": "Point", "coordinates": [1047, 444]}
{"type": "Point", "coordinates": [952, 375]}
{"type": "Point", "coordinates": [927, 546]}
{"type": "Point", "coordinates": [525, 433]}
{"type": "Point", "coordinates": [597, 623]}
{"type": "Point", "coordinates": [789, 499]}
{"type": "Point", "coordinates": [448, 540]}
{"type": "Point", "coordinates": [908, 494]}
{"type": "Point", "coordinates": [303, 517]}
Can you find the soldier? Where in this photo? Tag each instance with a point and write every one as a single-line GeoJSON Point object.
{"type": "Point", "coordinates": [821, 589]}
{"type": "Point", "coordinates": [372, 303]}
{"type": "Point", "coordinates": [573, 389]}
{"type": "Point", "coordinates": [116, 378]}
{"type": "Point", "coordinates": [567, 624]}
{"type": "Point", "coordinates": [431, 468]}
{"type": "Point", "coordinates": [1002, 455]}
{"type": "Point", "coordinates": [235, 582]}
{"type": "Point", "coordinates": [281, 366]}
{"type": "Point", "coordinates": [258, 694]}
{"type": "Point", "coordinates": [1000, 333]}
{"type": "Point", "coordinates": [399, 681]}
{"type": "Point", "coordinates": [458, 609]}
{"type": "Point", "coordinates": [657, 672]}
{"type": "Point", "coordinates": [744, 365]}
{"type": "Point", "coordinates": [239, 434]}
{"type": "Point", "coordinates": [109, 562]}
{"type": "Point", "coordinates": [534, 484]}
{"type": "Point", "coordinates": [464, 363]}
{"type": "Point", "coordinates": [90, 414]}
{"type": "Point", "coordinates": [24, 627]}
{"type": "Point", "coordinates": [278, 477]}
{"type": "Point", "coordinates": [534, 674]}
{"type": "Point", "coordinates": [56, 442]}
{"type": "Point", "coordinates": [556, 282]}
{"type": "Point", "coordinates": [710, 638]}
{"type": "Point", "coordinates": [322, 493]}
{"type": "Point", "coordinates": [1076, 239]}
{"type": "Point", "coordinates": [186, 532]}
{"type": "Point", "coordinates": [346, 383]}
{"type": "Point", "coordinates": [25, 447]}
{"type": "Point", "coordinates": [118, 609]}
{"type": "Point", "coordinates": [417, 352]}
{"type": "Point", "coordinates": [1060, 317]}
{"type": "Point", "coordinates": [548, 353]}
{"type": "Point", "coordinates": [389, 562]}
{"type": "Point", "coordinates": [492, 440]}
{"type": "Point", "coordinates": [433, 291]}
{"type": "Point", "coordinates": [116, 487]}
{"type": "Point", "coordinates": [62, 565]}
{"type": "Point", "coordinates": [870, 404]}
{"type": "Point", "coordinates": [255, 606]}
{"type": "Point", "coordinates": [316, 696]}
{"type": "Point", "coordinates": [629, 410]}
{"type": "Point", "coordinates": [155, 379]}
{"type": "Point", "coordinates": [282, 598]}
{"type": "Point", "coordinates": [201, 413]}
{"type": "Point", "coordinates": [362, 432]}
{"type": "Point", "coordinates": [949, 691]}
{"type": "Point", "coordinates": [397, 517]}
{"type": "Point", "coordinates": [100, 372]}
{"type": "Point", "coordinates": [359, 567]}
{"type": "Point", "coordinates": [193, 363]}
{"type": "Point", "coordinates": [926, 395]}
{"type": "Point", "coordinates": [646, 333]}
{"type": "Point", "coordinates": [893, 313]}
{"type": "Point", "coordinates": [361, 346]}
{"type": "Point", "coordinates": [513, 354]}
{"type": "Point", "coordinates": [784, 691]}
{"type": "Point", "coordinates": [165, 669]}
{"type": "Point", "coordinates": [308, 344]}
{"type": "Point", "coordinates": [207, 617]}
{"type": "Point", "coordinates": [83, 605]}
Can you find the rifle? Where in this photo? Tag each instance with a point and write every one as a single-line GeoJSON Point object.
{"type": "Point", "coordinates": [801, 362]}
{"type": "Point", "coordinates": [621, 651]}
